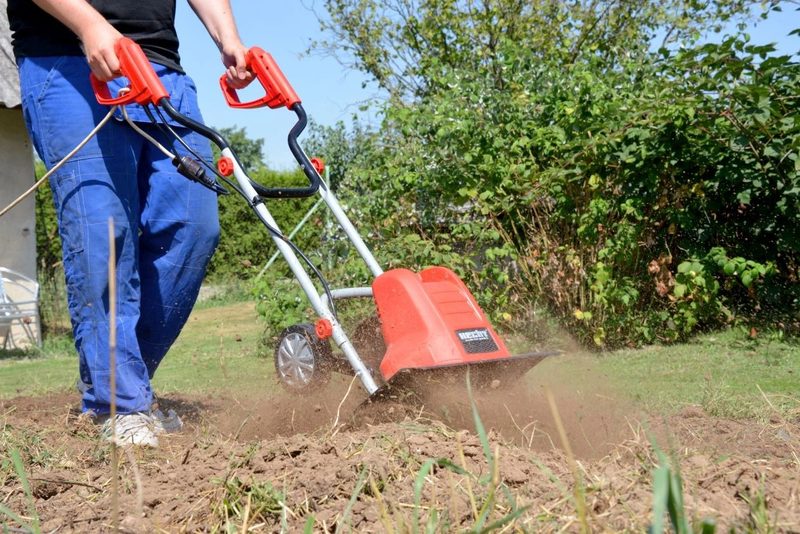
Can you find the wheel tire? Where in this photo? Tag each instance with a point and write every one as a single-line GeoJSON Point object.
{"type": "Point", "coordinates": [302, 360]}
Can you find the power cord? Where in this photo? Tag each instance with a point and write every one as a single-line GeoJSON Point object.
{"type": "Point", "coordinates": [60, 164]}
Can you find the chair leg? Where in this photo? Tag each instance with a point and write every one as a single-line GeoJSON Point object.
{"type": "Point", "coordinates": [26, 327]}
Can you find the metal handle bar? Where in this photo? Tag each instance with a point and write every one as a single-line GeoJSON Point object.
{"type": "Point", "coordinates": [145, 87]}
{"type": "Point", "coordinates": [279, 93]}
{"type": "Point", "coordinates": [265, 192]}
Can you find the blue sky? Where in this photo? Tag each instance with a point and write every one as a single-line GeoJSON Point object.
{"type": "Point", "coordinates": [285, 29]}
{"type": "Point", "coordinates": [329, 92]}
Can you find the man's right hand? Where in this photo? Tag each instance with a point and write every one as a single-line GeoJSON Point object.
{"type": "Point", "coordinates": [98, 45]}
{"type": "Point", "coordinates": [94, 31]}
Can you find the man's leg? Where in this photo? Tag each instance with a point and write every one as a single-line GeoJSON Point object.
{"type": "Point", "coordinates": [179, 232]}
{"type": "Point", "coordinates": [98, 184]}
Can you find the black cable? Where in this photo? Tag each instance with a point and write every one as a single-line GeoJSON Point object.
{"type": "Point", "coordinates": [233, 186]}
{"type": "Point", "coordinates": [157, 124]}
{"type": "Point", "coordinates": [168, 133]}
{"type": "Point", "coordinates": [279, 235]}
{"type": "Point", "coordinates": [191, 151]}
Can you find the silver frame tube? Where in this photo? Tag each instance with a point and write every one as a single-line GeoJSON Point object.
{"type": "Point", "coordinates": [346, 293]}
{"type": "Point", "coordinates": [348, 227]}
{"type": "Point", "coordinates": [319, 305]}
{"type": "Point", "coordinates": [350, 230]}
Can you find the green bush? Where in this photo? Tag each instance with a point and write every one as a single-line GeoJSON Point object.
{"type": "Point", "coordinates": [245, 245]}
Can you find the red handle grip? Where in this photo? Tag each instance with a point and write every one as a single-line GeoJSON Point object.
{"type": "Point", "coordinates": [145, 87]}
{"type": "Point", "coordinates": [279, 90]}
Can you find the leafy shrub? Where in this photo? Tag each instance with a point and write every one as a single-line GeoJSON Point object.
{"type": "Point", "coordinates": [640, 195]}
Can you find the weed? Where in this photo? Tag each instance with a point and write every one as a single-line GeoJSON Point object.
{"type": "Point", "coordinates": [245, 460]}
{"type": "Point", "coordinates": [668, 499]}
{"type": "Point", "coordinates": [28, 445]}
{"type": "Point", "coordinates": [30, 523]}
{"type": "Point", "coordinates": [245, 503]}
{"type": "Point", "coordinates": [759, 520]}
{"type": "Point", "coordinates": [493, 506]}
{"type": "Point", "coordinates": [309, 526]}
{"type": "Point", "coordinates": [345, 519]}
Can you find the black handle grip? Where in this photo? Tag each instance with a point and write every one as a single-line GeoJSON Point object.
{"type": "Point", "coordinates": [314, 179]}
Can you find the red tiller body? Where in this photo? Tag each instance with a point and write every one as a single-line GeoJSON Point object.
{"type": "Point", "coordinates": [431, 320]}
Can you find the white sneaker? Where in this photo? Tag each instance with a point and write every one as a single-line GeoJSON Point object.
{"type": "Point", "coordinates": [168, 423]}
{"type": "Point", "coordinates": [132, 429]}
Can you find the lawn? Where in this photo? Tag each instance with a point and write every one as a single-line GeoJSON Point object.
{"type": "Point", "coordinates": [217, 351]}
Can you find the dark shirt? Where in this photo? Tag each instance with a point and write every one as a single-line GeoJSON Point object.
{"type": "Point", "coordinates": [151, 23]}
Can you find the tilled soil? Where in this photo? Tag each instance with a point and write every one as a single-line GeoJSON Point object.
{"type": "Point", "coordinates": [329, 462]}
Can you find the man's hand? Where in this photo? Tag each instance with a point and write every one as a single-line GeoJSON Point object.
{"type": "Point", "coordinates": [98, 45]}
{"type": "Point", "coordinates": [233, 57]}
{"type": "Point", "coordinates": [94, 31]}
{"type": "Point", "coordinates": [217, 17]}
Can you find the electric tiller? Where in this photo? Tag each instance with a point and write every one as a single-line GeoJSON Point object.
{"type": "Point", "coordinates": [429, 321]}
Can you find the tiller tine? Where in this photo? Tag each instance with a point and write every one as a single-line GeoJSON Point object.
{"type": "Point", "coordinates": [485, 374]}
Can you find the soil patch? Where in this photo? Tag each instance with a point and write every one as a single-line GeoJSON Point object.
{"type": "Point", "coordinates": [289, 461]}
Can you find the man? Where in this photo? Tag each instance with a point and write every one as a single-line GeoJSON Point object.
{"type": "Point", "coordinates": [166, 226]}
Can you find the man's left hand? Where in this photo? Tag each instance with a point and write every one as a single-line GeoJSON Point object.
{"type": "Point", "coordinates": [234, 59]}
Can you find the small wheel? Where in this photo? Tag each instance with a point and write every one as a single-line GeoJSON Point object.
{"type": "Point", "coordinates": [302, 360]}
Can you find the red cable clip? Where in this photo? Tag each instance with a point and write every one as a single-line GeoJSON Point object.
{"type": "Point", "coordinates": [324, 329]}
{"type": "Point", "coordinates": [318, 165]}
{"type": "Point", "coordinates": [225, 166]}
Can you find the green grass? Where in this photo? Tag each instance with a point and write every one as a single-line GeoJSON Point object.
{"type": "Point", "coordinates": [724, 373]}
{"type": "Point", "coordinates": [217, 351]}
{"type": "Point", "coordinates": [38, 371]}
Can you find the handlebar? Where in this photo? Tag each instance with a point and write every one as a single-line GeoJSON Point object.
{"type": "Point", "coordinates": [145, 86]}
{"type": "Point", "coordinates": [279, 92]}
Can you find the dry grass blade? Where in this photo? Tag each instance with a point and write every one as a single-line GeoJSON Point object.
{"type": "Point", "coordinates": [579, 493]}
{"type": "Point", "coordinates": [137, 478]}
{"type": "Point", "coordinates": [341, 403]}
{"type": "Point", "coordinates": [470, 493]}
{"type": "Point", "coordinates": [384, 514]}
{"type": "Point", "coordinates": [112, 366]}
{"type": "Point", "coordinates": [247, 508]}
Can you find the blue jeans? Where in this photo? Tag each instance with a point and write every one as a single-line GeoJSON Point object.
{"type": "Point", "coordinates": [165, 227]}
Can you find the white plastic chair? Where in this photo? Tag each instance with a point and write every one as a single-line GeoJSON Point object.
{"type": "Point", "coordinates": [19, 311]}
